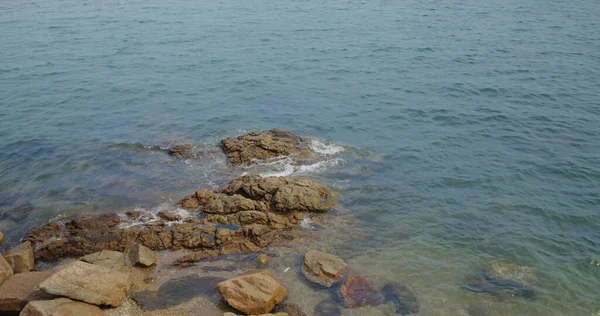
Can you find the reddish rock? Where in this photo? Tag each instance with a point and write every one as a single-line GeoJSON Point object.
{"type": "Point", "coordinates": [358, 292]}
{"type": "Point", "coordinates": [22, 288]}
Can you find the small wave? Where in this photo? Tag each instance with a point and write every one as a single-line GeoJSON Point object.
{"type": "Point", "coordinates": [324, 149]}
{"type": "Point", "coordinates": [151, 216]}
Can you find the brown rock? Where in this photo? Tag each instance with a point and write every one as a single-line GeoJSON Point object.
{"type": "Point", "coordinates": [182, 151]}
{"type": "Point", "coordinates": [141, 255]}
{"type": "Point", "coordinates": [303, 196]}
{"type": "Point", "coordinates": [22, 288]}
{"type": "Point", "coordinates": [358, 292]}
{"type": "Point", "coordinates": [106, 258]}
{"type": "Point", "coordinates": [89, 283]}
{"type": "Point", "coordinates": [60, 307]}
{"type": "Point", "coordinates": [1, 238]}
{"type": "Point", "coordinates": [255, 146]}
{"type": "Point", "coordinates": [253, 293]}
{"type": "Point", "coordinates": [21, 258]}
{"type": "Point", "coordinates": [6, 270]}
{"type": "Point", "coordinates": [189, 203]}
{"type": "Point", "coordinates": [263, 258]}
{"type": "Point", "coordinates": [322, 268]}
{"type": "Point", "coordinates": [169, 216]}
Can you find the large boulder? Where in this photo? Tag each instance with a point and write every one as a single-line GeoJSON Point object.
{"type": "Point", "coordinates": [323, 268]}
{"type": "Point", "coordinates": [21, 258]}
{"type": "Point", "coordinates": [89, 283]}
{"type": "Point", "coordinates": [253, 293]}
{"type": "Point", "coordinates": [358, 292]}
{"type": "Point", "coordinates": [254, 147]}
{"type": "Point", "coordinates": [60, 307]}
{"type": "Point", "coordinates": [22, 288]}
{"type": "Point", "coordinates": [6, 271]}
{"type": "Point", "coordinates": [106, 258]}
{"type": "Point", "coordinates": [143, 256]}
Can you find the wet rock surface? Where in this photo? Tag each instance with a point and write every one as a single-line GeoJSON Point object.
{"type": "Point", "coordinates": [406, 302]}
{"type": "Point", "coordinates": [357, 291]}
{"type": "Point", "coordinates": [22, 288]}
{"type": "Point", "coordinates": [20, 258]}
{"type": "Point", "coordinates": [88, 283]}
{"type": "Point", "coordinates": [177, 291]}
{"type": "Point", "coordinates": [181, 151]}
{"type": "Point", "coordinates": [253, 147]}
{"type": "Point", "coordinates": [322, 268]}
{"type": "Point", "coordinates": [253, 293]}
{"type": "Point", "coordinates": [60, 307]}
{"type": "Point", "coordinates": [106, 258]}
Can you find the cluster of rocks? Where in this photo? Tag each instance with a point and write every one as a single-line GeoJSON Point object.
{"type": "Point", "coordinates": [75, 288]}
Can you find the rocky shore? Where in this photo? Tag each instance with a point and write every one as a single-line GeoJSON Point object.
{"type": "Point", "coordinates": [218, 251]}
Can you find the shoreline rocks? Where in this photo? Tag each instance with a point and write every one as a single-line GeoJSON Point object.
{"type": "Point", "coordinates": [253, 147]}
{"type": "Point", "coordinates": [20, 258]}
{"type": "Point", "coordinates": [111, 259]}
{"type": "Point", "coordinates": [60, 306]}
{"type": "Point", "coordinates": [6, 270]}
{"type": "Point", "coordinates": [143, 256]}
{"type": "Point", "coordinates": [22, 288]}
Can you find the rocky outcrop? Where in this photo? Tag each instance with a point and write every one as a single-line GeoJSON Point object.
{"type": "Point", "coordinates": [89, 283]}
{"type": "Point", "coordinates": [322, 268]}
{"type": "Point", "coordinates": [253, 147]}
{"type": "Point", "coordinates": [106, 258]}
{"type": "Point", "coordinates": [245, 216]}
{"type": "Point", "coordinates": [357, 291]}
{"type": "Point", "coordinates": [20, 258]}
{"type": "Point", "coordinates": [143, 256]}
{"type": "Point", "coordinates": [253, 293]}
{"type": "Point", "coordinates": [182, 151]}
{"type": "Point", "coordinates": [6, 270]}
{"type": "Point", "coordinates": [60, 307]}
{"type": "Point", "coordinates": [22, 288]}
{"type": "Point", "coordinates": [406, 302]}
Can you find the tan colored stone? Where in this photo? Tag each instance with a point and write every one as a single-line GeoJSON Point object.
{"type": "Point", "coordinates": [21, 258]}
{"type": "Point", "coordinates": [106, 258]}
{"type": "Point", "coordinates": [263, 258]}
{"type": "Point", "coordinates": [253, 293]}
{"type": "Point", "coordinates": [89, 283]}
{"type": "Point", "coordinates": [22, 288]}
{"type": "Point", "coordinates": [60, 307]}
{"type": "Point", "coordinates": [1, 238]}
{"type": "Point", "coordinates": [6, 271]}
{"type": "Point", "coordinates": [322, 268]}
{"type": "Point", "coordinates": [142, 255]}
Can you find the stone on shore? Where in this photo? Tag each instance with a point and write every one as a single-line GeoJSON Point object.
{"type": "Point", "coordinates": [106, 258]}
{"type": "Point", "coordinates": [141, 255]}
{"type": "Point", "coordinates": [6, 271]}
{"type": "Point", "coordinates": [60, 307]}
{"type": "Point", "coordinates": [21, 258]}
{"type": "Point", "coordinates": [358, 292]}
{"type": "Point", "coordinates": [322, 268]}
{"type": "Point", "coordinates": [254, 147]}
{"type": "Point", "coordinates": [89, 283]}
{"type": "Point", "coordinates": [406, 302]}
{"type": "Point", "coordinates": [253, 293]}
{"type": "Point", "coordinates": [22, 288]}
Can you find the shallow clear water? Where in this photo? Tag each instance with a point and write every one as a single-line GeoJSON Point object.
{"type": "Point", "coordinates": [472, 127]}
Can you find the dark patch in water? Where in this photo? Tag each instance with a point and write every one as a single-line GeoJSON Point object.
{"type": "Point", "coordinates": [177, 291]}
{"type": "Point", "coordinates": [406, 302]}
{"type": "Point", "coordinates": [216, 268]}
{"type": "Point", "coordinates": [499, 289]}
{"type": "Point", "coordinates": [328, 308]}
{"type": "Point", "coordinates": [229, 226]}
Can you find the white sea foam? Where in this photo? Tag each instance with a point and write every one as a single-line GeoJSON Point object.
{"type": "Point", "coordinates": [306, 223]}
{"type": "Point", "coordinates": [286, 167]}
{"type": "Point", "coordinates": [325, 149]}
{"type": "Point", "coordinates": [151, 216]}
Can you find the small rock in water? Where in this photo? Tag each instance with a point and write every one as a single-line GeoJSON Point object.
{"type": "Point", "coordinates": [6, 270]}
{"type": "Point", "coordinates": [500, 289]}
{"type": "Point", "coordinates": [21, 258]}
{"type": "Point", "coordinates": [263, 258]}
{"type": "Point", "coordinates": [327, 308]}
{"type": "Point", "coordinates": [358, 292]}
{"type": "Point", "coordinates": [60, 306]}
{"type": "Point", "coordinates": [290, 308]}
{"type": "Point", "coordinates": [254, 293]}
{"type": "Point", "coordinates": [322, 268]}
{"type": "Point", "coordinates": [142, 255]}
{"type": "Point", "coordinates": [182, 151]}
{"type": "Point", "coordinates": [406, 302]}
{"type": "Point", "coordinates": [256, 146]}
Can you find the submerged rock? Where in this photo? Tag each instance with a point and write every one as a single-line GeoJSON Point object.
{"type": "Point", "coordinates": [106, 258]}
{"type": "Point", "coordinates": [59, 307]}
{"type": "Point", "coordinates": [357, 291]}
{"type": "Point", "coordinates": [256, 146]}
{"type": "Point", "coordinates": [327, 308]}
{"type": "Point", "coordinates": [253, 293]}
{"type": "Point", "coordinates": [406, 302]}
{"type": "Point", "coordinates": [510, 271]}
{"type": "Point", "coordinates": [177, 291]}
{"type": "Point", "coordinates": [500, 289]}
{"type": "Point", "coordinates": [89, 283]}
{"type": "Point", "coordinates": [21, 258]}
{"type": "Point", "coordinates": [22, 288]}
{"type": "Point", "coordinates": [322, 268]}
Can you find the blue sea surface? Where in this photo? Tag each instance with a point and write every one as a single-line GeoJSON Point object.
{"type": "Point", "coordinates": [471, 128]}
